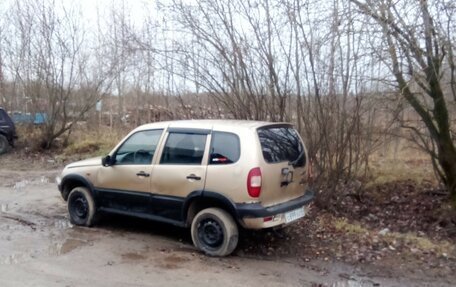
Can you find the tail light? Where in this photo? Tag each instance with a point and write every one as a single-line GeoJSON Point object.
{"type": "Point", "coordinates": [254, 182]}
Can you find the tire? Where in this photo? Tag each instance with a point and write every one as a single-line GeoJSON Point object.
{"type": "Point", "coordinates": [4, 145]}
{"type": "Point", "coordinates": [81, 207]}
{"type": "Point", "coordinates": [214, 232]}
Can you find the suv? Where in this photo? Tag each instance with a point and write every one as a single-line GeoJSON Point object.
{"type": "Point", "coordinates": [213, 176]}
{"type": "Point", "coordinates": [7, 132]}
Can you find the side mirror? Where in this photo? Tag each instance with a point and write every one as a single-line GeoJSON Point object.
{"type": "Point", "coordinates": [106, 161]}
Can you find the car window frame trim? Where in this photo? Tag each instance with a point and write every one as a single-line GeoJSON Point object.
{"type": "Point", "coordinates": [189, 131]}
{"type": "Point", "coordinates": [126, 139]}
{"type": "Point", "coordinates": [210, 146]}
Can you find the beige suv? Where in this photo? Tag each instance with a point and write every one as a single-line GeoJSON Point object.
{"type": "Point", "coordinates": [213, 176]}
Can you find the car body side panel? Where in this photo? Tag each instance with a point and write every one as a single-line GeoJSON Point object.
{"type": "Point", "coordinates": [124, 177]}
{"type": "Point", "coordinates": [171, 179]}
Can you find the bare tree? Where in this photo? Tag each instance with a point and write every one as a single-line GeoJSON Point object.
{"type": "Point", "coordinates": [419, 52]}
{"type": "Point", "coordinates": [236, 60]}
{"type": "Point", "coordinates": [49, 62]}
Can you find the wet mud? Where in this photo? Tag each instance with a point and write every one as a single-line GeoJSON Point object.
{"type": "Point", "coordinates": [40, 247]}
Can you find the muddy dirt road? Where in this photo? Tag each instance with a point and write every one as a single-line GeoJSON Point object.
{"type": "Point", "coordinates": [39, 247]}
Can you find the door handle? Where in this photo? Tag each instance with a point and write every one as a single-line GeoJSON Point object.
{"type": "Point", "coordinates": [192, 176]}
{"type": "Point", "coordinates": [142, 173]}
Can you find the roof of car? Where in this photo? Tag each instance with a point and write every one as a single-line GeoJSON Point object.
{"type": "Point", "coordinates": [210, 124]}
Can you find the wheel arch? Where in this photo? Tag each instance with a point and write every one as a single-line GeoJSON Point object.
{"type": "Point", "coordinates": [74, 180]}
{"type": "Point", "coordinates": [4, 134]}
{"type": "Point", "coordinates": [8, 135]}
{"type": "Point", "coordinates": [199, 200]}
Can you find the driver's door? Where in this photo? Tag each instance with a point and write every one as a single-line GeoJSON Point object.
{"type": "Point", "coordinates": [125, 185]}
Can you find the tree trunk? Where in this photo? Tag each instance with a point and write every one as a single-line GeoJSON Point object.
{"type": "Point", "coordinates": [447, 160]}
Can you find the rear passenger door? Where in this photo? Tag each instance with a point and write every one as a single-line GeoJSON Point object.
{"type": "Point", "coordinates": [224, 171]}
{"type": "Point", "coordinates": [180, 170]}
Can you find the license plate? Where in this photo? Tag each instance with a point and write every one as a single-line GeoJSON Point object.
{"type": "Point", "coordinates": [294, 215]}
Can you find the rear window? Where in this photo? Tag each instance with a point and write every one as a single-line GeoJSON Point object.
{"type": "Point", "coordinates": [281, 143]}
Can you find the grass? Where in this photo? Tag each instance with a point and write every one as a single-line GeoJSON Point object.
{"type": "Point", "coordinates": [407, 163]}
{"type": "Point", "coordinates": [85, 144]}
{"type": "Point", "coordinates": [29, 136]}
{"type": "Point", "coordinates": [342, 224]}
{"type": "Point", "coordinates": [422, 243]}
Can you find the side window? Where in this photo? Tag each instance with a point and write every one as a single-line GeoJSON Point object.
{"type": "Point", "coordinates": [139, 148]}
{"type": "Point", "coordinates": [1, 116]}
{"type": "Point", "coordinates": [225, 148]}
{"type": "Point", "coordinates": [183, 148]}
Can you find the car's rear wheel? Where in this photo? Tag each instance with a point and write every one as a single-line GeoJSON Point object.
{"type": "Point", "coordinates": [214, 232]}
{"type": "Point", "coordinates": [81, 207]}
{"type": "Point", "coordinates": [4, 145]}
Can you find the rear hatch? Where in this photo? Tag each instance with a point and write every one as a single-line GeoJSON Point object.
{"type": "Point", "coordinates": [284, 174]}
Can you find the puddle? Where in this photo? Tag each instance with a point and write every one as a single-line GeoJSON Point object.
{"type": "Point", "coordinates": [70, 245]}
{"type": "Point", "coordinates": [355, 282]}
{"type": "Point", "coordinates": [21, 221]}
{"type": "Point", "coordinates": [66, 246]}
{"type": "Point", "coordinates": [21, 184]}
{"type": "Point", "coordinates": [133, 256]}
{"type": "Point", "coordinates": [349, 283]}
{"type": "Point", "coordinates": [14, 259]}
{"type": "Point", "coordinates": [4, 207]}
{"type": "Point", "coordinates": [63, 224]}
{"type": "Point", "coordinates": [55, 249]}
{"type": "Point", "coordinates": [173, 262]}
{"type": "Point", "coordinates": [24, 183]}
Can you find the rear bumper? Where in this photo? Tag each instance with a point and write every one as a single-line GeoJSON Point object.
{"type": "Point", "coordinates": [253, 215]}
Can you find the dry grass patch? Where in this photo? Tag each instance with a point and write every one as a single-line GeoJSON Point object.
{"type": "Point", "coordinates": [342, 224]}
{"type": "Point", "coordinates": [407, 163]}
{"type": "Point", "coordinates": [85, 144]}
{"type": "Point", "coordinates": [408, 242]}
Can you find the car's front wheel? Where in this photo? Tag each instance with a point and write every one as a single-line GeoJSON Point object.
{"type": "Point", "coordinates": [214, 232]}
{"type": "Point", "coordinates": [81, 207]}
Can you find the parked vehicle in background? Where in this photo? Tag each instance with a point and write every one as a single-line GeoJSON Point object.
{"type": "Point", "coordinates": [28, 118]}
{"type": "Point", "coordinates": [7, 132]}
{"type": "Point", "coordinates": [214, 176]}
